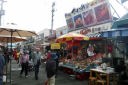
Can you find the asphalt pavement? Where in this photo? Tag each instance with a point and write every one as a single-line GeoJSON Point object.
{"type": "Point", "coordinates": [62, 78]}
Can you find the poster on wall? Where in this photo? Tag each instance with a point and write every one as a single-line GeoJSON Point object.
{"type": "Point", "coordinates": [88, 17]}
{"type": "Point", "coordinates": [78, 21]}
{"type": "Point", "coordinates": [70, 24]}
{"type": "Point", "coordinates": [102, 13]}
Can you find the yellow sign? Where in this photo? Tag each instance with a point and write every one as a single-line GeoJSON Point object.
{"type": "Point", "coordinates": [55, 46]}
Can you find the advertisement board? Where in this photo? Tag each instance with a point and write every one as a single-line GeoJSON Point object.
{"type": "Point", "coordinates": [89, 18]}
{"type": "Point", "coordinates": [70, 24]}
{"type": "Point", "coordinates": [90, 14]}
{"type": "Point", "coordinates": [102, 13]}
{"type": "Point", "coordinates": [78, 21]}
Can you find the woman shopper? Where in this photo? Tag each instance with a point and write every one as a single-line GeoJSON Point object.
{"type": "Point", "coordinates": [24, 63]}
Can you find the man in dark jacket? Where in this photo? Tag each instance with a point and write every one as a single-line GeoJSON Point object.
{"type": "Point", "coordinates": [2, 62]}
{"type": "Point", "coordinates": [51, 70]}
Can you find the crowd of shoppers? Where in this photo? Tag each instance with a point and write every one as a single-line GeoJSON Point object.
{"type": "Point", "coordinates": [23, 58]}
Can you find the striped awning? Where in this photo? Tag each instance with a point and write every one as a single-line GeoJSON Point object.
{"type": "Point", "coordinates": [95, 35]}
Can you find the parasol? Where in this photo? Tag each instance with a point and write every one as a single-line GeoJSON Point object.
{"type": "Point", "coordinates": [15, 32]}
{"type": "Point", "coordinates": [71, 37]}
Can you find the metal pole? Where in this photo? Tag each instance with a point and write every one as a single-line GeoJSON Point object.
{"type": "Point", "coordinates": [1, 9]}
{"type": "Point", "coordinates": [113, 8]}
{"type": "Point", "coordinates": [11, 59]}
{"type": "Point", "coordinates": [53, 10]}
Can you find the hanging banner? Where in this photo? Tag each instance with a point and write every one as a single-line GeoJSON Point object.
{"type": "Point", "coordinates": [55, 46]}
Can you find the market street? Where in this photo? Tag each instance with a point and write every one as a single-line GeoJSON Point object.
{"type": "Point", "coordinates": [62, 78]}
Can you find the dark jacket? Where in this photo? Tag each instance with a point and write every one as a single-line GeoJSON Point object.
{"type": "Point", "coordinates": [50, 68]}
{"type": "Point", "coordinates": [2, 62]}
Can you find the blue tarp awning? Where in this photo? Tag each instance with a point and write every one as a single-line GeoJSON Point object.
{"type": "Point", "coordinates": [115, 33]}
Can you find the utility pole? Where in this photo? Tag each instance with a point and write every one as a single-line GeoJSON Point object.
{"type": "Point", "coordinates": [2, 12]}
{"type": "Point", "coordinates": [52, 20]}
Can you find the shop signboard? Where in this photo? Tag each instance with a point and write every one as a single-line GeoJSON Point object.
{"type": "Point", "coordinates": [55, 46]}
{"type": "Point", "coordinates": [96, 29]}
{"type": "Point", "coordinates": [88, 15]}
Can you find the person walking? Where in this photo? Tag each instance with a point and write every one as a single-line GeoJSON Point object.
{"type": "Point", "coordinates": [24, 63]}
{"type": "Point", "coordinates": [2, 62]}
{"type": "Point", "coordinates": [51, 70]}
{"type": "Point", "coordinates": [37, 62]}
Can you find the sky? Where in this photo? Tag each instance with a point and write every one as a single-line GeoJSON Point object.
{"type": "Point", "coordinates": [35, 15]}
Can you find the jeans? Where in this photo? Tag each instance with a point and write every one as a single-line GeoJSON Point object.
{"type": "Point", "coordinates": [24, 68]}
{"type": "Point", "coordinates": [36, 71]}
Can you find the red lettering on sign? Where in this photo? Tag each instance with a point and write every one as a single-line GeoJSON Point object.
{"type": "Point", "coordinates": [85, 31]}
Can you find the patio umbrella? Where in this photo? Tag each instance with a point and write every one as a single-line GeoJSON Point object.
{"type": "Point", "coordinates": [8, 40]}
{"type": "Point", "coordinates": [71, 37]}
{"type": "Point", "coordinates": [15, 32]}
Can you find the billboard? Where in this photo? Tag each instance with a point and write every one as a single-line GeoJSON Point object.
{"type": "Point", "coordinates": [102, 13]}
{"type": "Point", "coordinates": [89, 18]}
{"type": "Point", "coordinates": [89, 14]}
{"type": "Point", "coordinates": [78, 21]}
{"type": "Point", "coordinates": [70, 24]}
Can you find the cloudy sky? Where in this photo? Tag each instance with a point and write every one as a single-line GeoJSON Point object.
{"type": "Point", "coordinates": [36, 14]}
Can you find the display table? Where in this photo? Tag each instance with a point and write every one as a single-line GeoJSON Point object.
{"type": "Point", "coordinates": [107, 73]}
{"type": "Point", "coordinates": [80, 74]}
{"type": "Point", "coordinates": [69, 69]}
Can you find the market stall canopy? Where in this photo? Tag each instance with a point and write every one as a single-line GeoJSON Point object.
{"type": "Point", "coordinates": [8, 39]}
{"type": "Point", "coordinates": [121, 23]}
{"type": "Point", "coordinates": [71, 36]}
